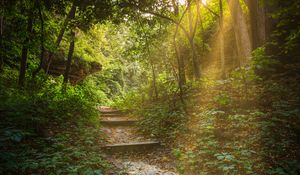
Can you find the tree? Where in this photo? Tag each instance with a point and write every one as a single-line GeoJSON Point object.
{"type": "Point", "coordinates": [221, 39]}
{"type": "Point", "coordinates": [257, 23]}
{"type": "Point", "coordinates": [61, 34]}
{"type": "Point", "coordinates": [241, 33]}
{"type": "Point", "coordinates": [1, 35]}
{"type": "Point", "coordinates": [70, 54]}
{"type": "Point", "coordinates": [23, 63]}
{"type": "Point", "coordinates": [42, 42]}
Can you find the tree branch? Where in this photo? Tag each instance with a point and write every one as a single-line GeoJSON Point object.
{"type": "Point", "coordinates": [210, 10]}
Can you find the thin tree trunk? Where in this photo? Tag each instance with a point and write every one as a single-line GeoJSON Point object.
{"type": "Point", "coordinates": [181, 72]}
{"type": "Point", "coordinates": [154, 80]}
{"type": "Point", "coordinates": [153, 72]}
{"type": "Point", "coordinates": [1, 38]}
{"type": "Point", "coordinates": [222, 50]}
{"type": "Point", "coordinates": [192, 43]}
{"type": "Point", "coordinates": [35, 72]}
{"type": "Point", "coordinates": [70, 55]}
{"type": "Point", "coordinates": [253, 16]}
{"type": "Point", "coordinates": [202, 30]}
{"type": "Point", "coordinates": [62, 30]}
{"type": "Point", "coordinates": [25, 51]}
{"type": "Point", "coordinates": [180, 60]}
{"type": "Point", "coordinates": [61, 34]}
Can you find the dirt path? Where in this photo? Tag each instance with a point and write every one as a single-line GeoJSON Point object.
{"type": "Point", "coordinates": [131, 152]}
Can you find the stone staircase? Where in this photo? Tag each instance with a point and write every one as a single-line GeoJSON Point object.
{"type": "Point", "coordinates": [122, 135]}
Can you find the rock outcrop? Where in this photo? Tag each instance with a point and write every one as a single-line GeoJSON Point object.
{"type": "Point", "coordinates": [79, 68]}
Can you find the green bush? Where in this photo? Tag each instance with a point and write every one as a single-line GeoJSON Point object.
{"type": "Point", "coordinates": [48, 127]}
{"type": "Point", "coordinates": [51, 103]}
{"type": "Point", "coordinates": [161, 121]}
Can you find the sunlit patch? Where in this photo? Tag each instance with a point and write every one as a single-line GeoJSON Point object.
{"type": "Point", "coordinates": [204, 2]}
{"type": "Point", "coordinates": [181, 2]}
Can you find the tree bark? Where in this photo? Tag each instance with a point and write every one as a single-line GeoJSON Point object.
{"type": "Point", "coordinates": [70, 55]}
{"type": "Point", "coordinates": [35, 72]}
{"type": "Point", "coordinates": [25, 51]}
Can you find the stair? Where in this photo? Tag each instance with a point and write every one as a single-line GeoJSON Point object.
{"type": "Point", "coordinates": [118, 122]}
{"type": "Point", "coordinates": [127, 147]}
{"type": "Point", "coordinates": [122, 136]}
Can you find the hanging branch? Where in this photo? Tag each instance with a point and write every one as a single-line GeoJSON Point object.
{"type": "Point", "coordinates": [210, 10]}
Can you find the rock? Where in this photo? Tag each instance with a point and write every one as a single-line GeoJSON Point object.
{"type": "Point", "coordinates": [79, 68]}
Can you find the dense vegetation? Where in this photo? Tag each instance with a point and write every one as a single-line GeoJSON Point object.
{"type": "Point", "coordinates": [216, 81]}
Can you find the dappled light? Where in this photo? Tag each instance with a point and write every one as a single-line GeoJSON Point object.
{"type": "Point", "coordinates": [156, 87]}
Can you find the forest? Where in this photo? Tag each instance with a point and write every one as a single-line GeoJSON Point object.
{"type": "Point", "coordinates": [150, 87]}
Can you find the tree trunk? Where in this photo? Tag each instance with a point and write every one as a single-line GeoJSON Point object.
{"type": "Point", "coordinates": [180, 60]}
{"type": "Point", "coordinates": [253, 4]}
{"type": "Point", "coordinates": [154, 80]}
{"type": "Point", "coordinates": [261, 26]}
{"type": "Point", "coordinates": [70, 55]}
{"type": "Point", "coordinates": [242, 37]}
{"type": "Point", "coordinates": [202, 31]}
{"type": "Point", "coordinates": [35, 72]}
{"type": "Point", "coordinates": [196, 70]}
{"type": "Point", "coordinates": [25, 51]}
{"type": "Point", "coordinates": [61, 34]}
{"type": "Point", "coordinates": [221, 40]}
{"type": "Point", "coordinates": [1, 38]}
{"type": "Point", "coordinates": [181, 70]}
{"type": "Point", "coordinates": [257, 23]}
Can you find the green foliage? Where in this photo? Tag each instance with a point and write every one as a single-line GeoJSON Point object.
{"type": "Point", "coordinates": [130, 100]}
{"type": "Point", "coordinates": [222, 99]}
{"type": "Point", "coordinates": [38, 126]}
{"type": "Point", "coordinates": [262, 62]}
{"type": "Point", "coordinates": [161, 121]}
{"type": "Point", "coordinates": [51, 102]}
{"type": "Point", "coordinates": [288, 168]}
{"type": "Point", "coordinates": [63, 153]}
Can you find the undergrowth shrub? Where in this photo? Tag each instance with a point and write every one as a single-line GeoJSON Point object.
{"type": "Point", "coordinates": [71, 151]}
{"type": "Point", "coordinates": [161, 116]}
{"type": "Point", "coordinates": [52, 102]}
{"type": "Point", "coordinates": [161, 121]}
{"type": "Point", "coordinates": [250, 126]}
{"type": "Point", "coordinates": [49, 128]}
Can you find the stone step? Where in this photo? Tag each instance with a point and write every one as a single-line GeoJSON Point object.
{"type": "Point", "coordinates": [113, 114]}
{"type": "Point", "coordinates": [111, 111]}
{"type": "Point", "coordinates": [118, 122]}
{"type": "Point", "coordinates": [107, 110]}
{"type": "Point", "coordinates": [128, 147]}
{"type": "Point", "coordinates": [116, 118]}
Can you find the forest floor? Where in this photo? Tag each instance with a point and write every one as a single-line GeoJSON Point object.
{"type": "Point", "coordinates": [146, 157]}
